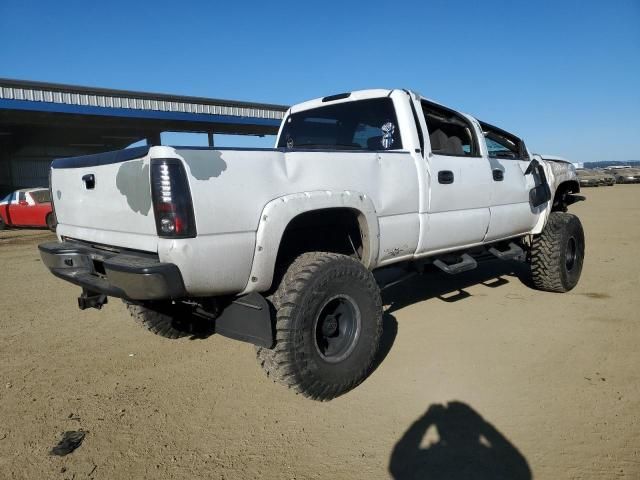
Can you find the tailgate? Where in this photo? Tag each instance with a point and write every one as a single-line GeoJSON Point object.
{"type": "Point", "coordinates": [105, 198]}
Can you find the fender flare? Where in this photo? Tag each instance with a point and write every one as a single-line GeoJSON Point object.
{"type": "Point", "coordinates": [571, 185]}
{"type": "Point", "coordinates": [279, 212]}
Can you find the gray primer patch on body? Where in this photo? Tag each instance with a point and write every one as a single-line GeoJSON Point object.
{"type": "Point", "coordinates": [133, 182]}
{"type": "Point", "coordinates": [59, 194]}
{"type": "Point", "coordinates": [204, 164]}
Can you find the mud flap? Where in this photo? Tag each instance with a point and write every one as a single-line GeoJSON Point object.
{"type": "Point", "coordinates": [248, 319]}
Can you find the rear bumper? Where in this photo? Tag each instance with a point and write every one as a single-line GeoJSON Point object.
{"type": "Point", "coordinates": [130, 275]}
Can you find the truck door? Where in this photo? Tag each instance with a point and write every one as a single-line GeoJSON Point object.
{"type": "Point", "coordinates": [18, 209]}
{"type": "Point", "coordinates": [39, 206]}
{"type": "Point", "coordinates": [511, 211]}
{"type": "Point", "coordinates": [459, 180]}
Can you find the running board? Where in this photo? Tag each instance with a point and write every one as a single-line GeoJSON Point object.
{"type": "Point", "coordinates": [515, 252]}
{"type": "Point", "coordinates": [466, 263]}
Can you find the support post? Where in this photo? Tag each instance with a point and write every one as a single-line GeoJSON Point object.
{"type": "Point", "coordinates": [154, 139]}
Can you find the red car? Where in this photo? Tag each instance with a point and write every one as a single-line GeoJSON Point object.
{"type": "Point", "coordinates": [29, 207]}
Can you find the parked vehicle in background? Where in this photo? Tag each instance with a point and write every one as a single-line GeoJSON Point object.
{"type": "Point", "coordinates": [607, 178]}
{"type": "Point", "coordinates": [594, 178]}
{"type": "Point", "coordinates": [30, 207]}
{"type": "Point", "coordinates": [277, 246]}
{"type": "Point", "coordinates": [625, 174]}
{"type": "Point", "coordinates": [588, 178]}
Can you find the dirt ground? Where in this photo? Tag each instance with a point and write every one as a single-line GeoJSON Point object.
{"type": "Point", "coordinates": [482, 374]}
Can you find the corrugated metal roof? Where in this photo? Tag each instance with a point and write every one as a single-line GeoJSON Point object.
{"type": "Point", "coordinates": [30, 91]}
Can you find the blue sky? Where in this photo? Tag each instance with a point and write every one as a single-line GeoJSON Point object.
{"type": "Point", "coordinates": [563, 74]}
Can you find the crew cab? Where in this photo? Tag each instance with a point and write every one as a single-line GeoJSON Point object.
{"type": "Point", "coordinates": [30, 207]}
{"type": "Point", "coordinates": [278, 246]}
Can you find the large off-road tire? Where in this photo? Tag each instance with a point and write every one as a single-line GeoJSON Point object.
{"type": "Point", "coordinates": [328, 326]}
{"type": "Point", "coordinates": [160, 323]}
{"type": "Point", "coordinates": [557, 253]}
{"type": "Point", "coordinates": [2, 224]}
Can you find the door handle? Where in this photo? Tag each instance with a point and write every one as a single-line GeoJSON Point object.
{"type": "Point", "coordinates": [89, 181]}
{"type": "Point", "coordinates": [445, 176]}
{"type": "Point", "coordinates": [498, 175]}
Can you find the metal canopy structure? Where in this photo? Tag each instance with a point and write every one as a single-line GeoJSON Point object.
{"type": "Point", "coordinates": [41, 121]}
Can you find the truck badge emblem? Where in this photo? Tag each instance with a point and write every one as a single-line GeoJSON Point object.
{"type": "Point", "coordinates": [387, 135]}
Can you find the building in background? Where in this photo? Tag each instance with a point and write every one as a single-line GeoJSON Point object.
{"type": "Point", "coordinates": [42, 121]}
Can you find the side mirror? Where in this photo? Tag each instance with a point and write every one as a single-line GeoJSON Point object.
{"type": "Point", "coordinates": [532, 166]}
{"type": "Point", "coordinates": [23, 203]}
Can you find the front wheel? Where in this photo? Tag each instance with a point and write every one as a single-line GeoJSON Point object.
{"type": "Point", "coordinates": [2, 224]}
{"type": "Point", "coordinates": [557, 253]}
{"type": "Point", "coordinates": [328, 326]}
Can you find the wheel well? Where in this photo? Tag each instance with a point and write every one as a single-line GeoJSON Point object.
{"type": "Point", "coordinates": [336, 230]}
{"type": "Point", "coordinates": [560, 198]}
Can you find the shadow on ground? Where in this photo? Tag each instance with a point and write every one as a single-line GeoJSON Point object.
{"type": "Point", "coordinates": [454, 442]}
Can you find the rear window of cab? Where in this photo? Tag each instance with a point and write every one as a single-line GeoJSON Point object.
{"type": "Point", "coordinates": [360, 125]}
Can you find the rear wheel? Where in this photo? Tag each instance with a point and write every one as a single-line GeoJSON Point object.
{"type": "Point", "coordinates": [166, 320]}
{"type": "Point", "coordinates": [557, 253]}
{"type": "Point", "coordinates": [328, 326]}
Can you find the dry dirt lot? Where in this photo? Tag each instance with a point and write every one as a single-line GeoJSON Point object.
{"type": "Point", "coordinates": [537, 384]}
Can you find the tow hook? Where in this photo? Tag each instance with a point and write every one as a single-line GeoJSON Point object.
{"type": "Point", "coordinates": [90, 299]}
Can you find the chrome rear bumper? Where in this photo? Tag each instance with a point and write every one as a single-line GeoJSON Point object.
{"type": "Point", "coordinates": [130, 275]}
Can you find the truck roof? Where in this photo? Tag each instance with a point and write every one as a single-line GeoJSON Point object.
{"type": "Point", "coordinates": [340, 98]}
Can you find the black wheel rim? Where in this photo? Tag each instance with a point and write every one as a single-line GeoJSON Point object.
{"type": "Point", "coordinates": [570, 254]}
{"type": "Point", "coordinates": [337, 328]}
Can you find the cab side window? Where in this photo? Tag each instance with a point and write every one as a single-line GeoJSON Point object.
{"type": "Point", "coordinates": [22, 197]}
{"type": "Point", "coordinates": [449, 132]}
{"type": "Point", "coordinates": [501, 144]}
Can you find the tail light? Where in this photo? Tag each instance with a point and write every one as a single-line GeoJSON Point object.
{"type": "Point", "coordinates": [171, 199]}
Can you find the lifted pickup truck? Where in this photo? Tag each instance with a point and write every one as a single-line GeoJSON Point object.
{"type": "Point", "coordinates": [277, 246]}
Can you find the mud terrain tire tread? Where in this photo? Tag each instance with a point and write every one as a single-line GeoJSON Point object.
{"type": "Point", "coordinates": [292, 362]}
{"type": "Point", "coordinates": [159, 323]}
{"type": "Point", "coordinates": [548, 253]}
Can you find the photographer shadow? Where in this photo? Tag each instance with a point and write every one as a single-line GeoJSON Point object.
{"type": "Point", "coordinates": [461, 445]}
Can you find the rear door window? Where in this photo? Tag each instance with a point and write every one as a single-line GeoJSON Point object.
{"type": "Point", "coordinates": [449, 132]}
{"type": "Point", "coordinates": [360, 125]}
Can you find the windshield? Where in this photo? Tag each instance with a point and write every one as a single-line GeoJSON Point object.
{"type": "Point", "coordinates": [360, 125]}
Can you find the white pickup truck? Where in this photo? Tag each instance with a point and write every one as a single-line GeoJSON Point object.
{"type": "Point", "coordinates": [277, 246]}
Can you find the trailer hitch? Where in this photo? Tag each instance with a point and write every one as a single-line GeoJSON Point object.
{"type": "Point", "coordinates": [90, 299]}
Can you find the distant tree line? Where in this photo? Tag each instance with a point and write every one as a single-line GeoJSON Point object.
{"type": "Point", "coordinates": [632, 163]}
